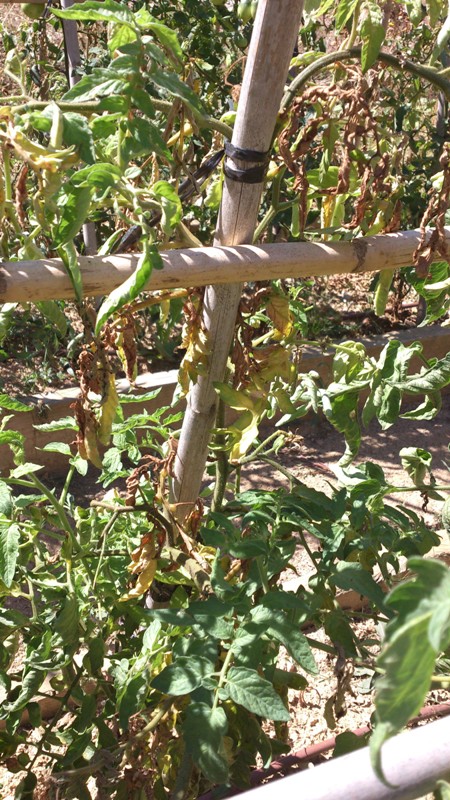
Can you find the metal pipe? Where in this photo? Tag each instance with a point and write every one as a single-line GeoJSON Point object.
{"type": "Point", "coordinates": [412, 763]}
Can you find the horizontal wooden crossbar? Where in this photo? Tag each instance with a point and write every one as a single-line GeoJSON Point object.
{"type": "Point", "coordinates": [47, 279]}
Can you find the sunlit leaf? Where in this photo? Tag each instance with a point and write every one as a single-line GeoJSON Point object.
{"type": "Point", "coordinates": [183, 676]}
{"type": "Point", "coordinates": [9, 550]}
{"type": "Point", "coordinates": [106, 11]}
{"type": "Point", "coordinates": [69, 257]}
{"type": "Point", "coordinates": [74, 202]}
{"type": "Point", "coordinates": [413, 640]}
{"type": "Point", "coordinates": [131, 288]}
{"type": "Point", "coordinates": [246, 687]}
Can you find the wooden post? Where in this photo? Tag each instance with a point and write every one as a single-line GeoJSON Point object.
{"type": "Point", "coordinates": [274, 37]}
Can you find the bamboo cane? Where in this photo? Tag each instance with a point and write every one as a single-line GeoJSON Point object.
{"type": "Point", "coordinates": [274, 37]}
{"type": "Point", "coordinates": [46, 279]}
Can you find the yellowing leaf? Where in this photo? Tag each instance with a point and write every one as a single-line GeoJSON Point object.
{"type": "Point", "coordinates": [144, 564]}
{"type": "Point", "coordinates": [144, 581]}
{"type": "Point", "coordinates": [108, 412]}
{"type": "Point", "coordinates": [278, 311]}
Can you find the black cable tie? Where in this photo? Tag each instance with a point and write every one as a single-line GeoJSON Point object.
{"type": "Point", "coordinates": [249, 175]}
{"type": "Point", "coordinates": [240, 154]}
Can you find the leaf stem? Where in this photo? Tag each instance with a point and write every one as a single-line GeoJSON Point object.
{"type": "Point", "coordinates": [223, 676]}
{"type": "Point", "coordinates": [222, 464]}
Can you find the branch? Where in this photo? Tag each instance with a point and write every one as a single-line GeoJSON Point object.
{"type": "Point", "coordinates": [399, 63]}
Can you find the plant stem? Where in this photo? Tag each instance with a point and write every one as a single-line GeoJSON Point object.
{"type": "Point", "coordinates": [223, 676]}
{"type": "Point", "coordinates": [155, 720]}
{"type": "Point", "coordinates": [222, 465]}
{"type": "Point", "coordinates": [327, 648]}
{"type": "Point", "coordinates": [308, 549]}
{"type": "Point", "coordinates": [255, 454]}
{"type": "Point", "coordinates": [204, 120]}
{"type": "Point", "coordinates": [108, 527]}
{"type": "Point", "coordinates": [284, 471]}
{"type": "Point", "coordinates": [7, 173]}
{"type": "Point", "coordinates": [65, 489]}
{"type": "Point", "coordinates": [350, 41]}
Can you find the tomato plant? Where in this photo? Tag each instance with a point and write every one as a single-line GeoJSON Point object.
{"type": "Point", "coordinates": [162, 637]}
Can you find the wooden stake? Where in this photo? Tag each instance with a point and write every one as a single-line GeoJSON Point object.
{"type": "Point", "coordinates": [274, 37]}
{"type": "Point", "coordinates": [200, 266]}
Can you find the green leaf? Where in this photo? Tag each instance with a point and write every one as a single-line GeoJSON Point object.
{"type": "Point", "coordinates": [6, 318]}
{"type": "Point", "coordinates": [343, 12]}
{"type": "Point", "coordinates": [296, 644]}
{"type": "Point", "coordinates": [353, 576]}
{"type": "Point", "coordinates": [166, 36]}
{"type": "Point", "coordinates": [173, 85]}
{"type": "Point", "coordinates": [5, 499]}
{"type": "Point", "coordinates": [57, 447]}
{"type": "Point", "coordinates": [121, 35]}
{"type": "Point", "coordinates": [408, 660]}
{"type": "Point", "coordinates": [96, 654]}
{"type": "Point", "coordinates": [106, 11]}
{"type": "Point", "coordinates": [139, 398]}
{"type": "Point", "coordinates": [66, 624]}
{"type": "Point", "coordinates": [183, 676]}
{"type": "Point", "coordinates": [16, 442]}
{"type": "Point", "coordinates": [204, 731]}
{"type": "Point", "coordinates": [141, 100]}
{"type": "Point", "coordinates": [31, 682]}
{"type": "Point", "coordinates": [69, 257]}
{"type": "Point", "coordinates": [133, 699]}
{"type": "Point", "coordinates": [430, 380]}
{"type": "Point", "coordinates": [76, 131]}
{"type": "Point", "coordinates": [442, 791]}
{"type": "Point", "coordinates": [294, 680]}
{"type": "Point", "coordinates": [372, 34]}
{"type": "Point", "coordinates": [102, 176]}
{"type": "Point", "coordinates": [172, 210]}
{"type": "Point", "coordinates": [417, 463]}
{"type": "Point", "coordinates": [54, 314]}
{"type": "Point", "coordinates": [143, 138]}
{"type": "Point", "coordinates": [131, 288]}
{"type": "Point", "coordinates": [414, 638]}
{"type": "Point", "coordinates": [12, 404]}
{"type": "Point", "coordinates": [75, 202]}
{"type": "Point", "coordinates": [9, 551]}
{"type": "Point", "coordinates": [342, 411]}
{"type": "Point", "coordinates": [100, 83]}
{"type": "Point", "coordinates": [348, 742]}
{"type": "Point", "coordinates": [25, 469]}
{"type": "Point", "coordinates": [246, 687]}
{"type": "Point", "coordinates": [427, 410]}
{"type": "Point", "coordinates": [63, 424]}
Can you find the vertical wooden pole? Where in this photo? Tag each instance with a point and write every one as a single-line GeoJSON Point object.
{"type": "Point", "coordinates": [274, 37]}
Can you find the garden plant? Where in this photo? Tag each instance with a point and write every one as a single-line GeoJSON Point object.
{"type": "Point", "coordinates": [156, 626]}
